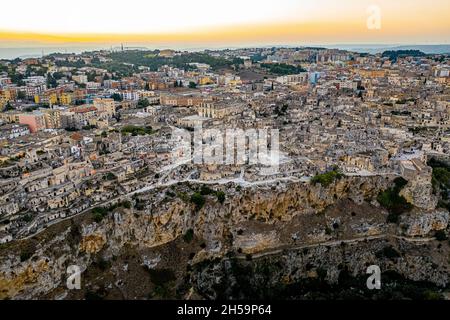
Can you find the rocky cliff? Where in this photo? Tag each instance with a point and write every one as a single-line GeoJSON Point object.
{"type": "Point", "coordinates": [164, 243]}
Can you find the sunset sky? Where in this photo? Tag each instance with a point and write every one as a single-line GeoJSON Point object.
{"type": "Point", "coordinates": [231, 22]}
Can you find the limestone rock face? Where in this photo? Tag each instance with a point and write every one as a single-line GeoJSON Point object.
{"type": "Point", "coordinates": [421, 224]}
{"type": "Point", "coordinates": [92, 243]}
{"type": "Point", "coordinates": [420, 194]}
{"type": "Point", "coordinates": [13, 284]}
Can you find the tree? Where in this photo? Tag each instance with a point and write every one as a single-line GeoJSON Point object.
{"type": "Point", "coordinates": [16, 78]}
{"type": "Point", "coordinates": [143, 103]}
{"type": "Point", "coordinates": [58, 75]}
{"type": "Point", "coordinates": [136, 131]}
{"type": "Point", "coordinates": [51, 82]}
{"type": "Point", "coordinates": [41, 72]}
{"type": "Point", "coordinates": [198, 200]}
{"type": "Point", "coordinates": [97, 217]}
{"type": "Point", "coordinates": [192, 85]}
{"type": "Point", "coordinates": [205, 190]}
{"type": "Point", "coordinates": [110, 176]}
{"type": "Point", "coordinates": [282, 68]}
{"type": "Point", "coordinates": [8, 107]}
{"type": "Point", "coordinates": [116, 97]}
{"type": "Point", "coordinates": [28, 71]}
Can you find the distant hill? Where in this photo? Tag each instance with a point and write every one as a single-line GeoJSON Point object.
{"type": "Point", "coordinates": [427, 49]}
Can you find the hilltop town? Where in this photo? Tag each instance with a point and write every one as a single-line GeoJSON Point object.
{"type": "Point", "coordinates": [78, 131]}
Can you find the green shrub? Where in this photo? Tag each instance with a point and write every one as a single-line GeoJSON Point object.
{"type": "Point", "coordinates": [220, 196]}
{"type": "Point", "coordinates": [325, 179]}
{"type": "Point", "coordinates": [205, 190]}
{"type": "Point", "coordinates": [441, 181]}
{"type": "Point", "coordinates": [282, 68]}
{"type": "Point", "coordinates": [170, 194]}
{"type": "Point", "coordinates": [99, 213]}
{"type": "Point", "coordinates": [393, 218]}
{"type": "Point", "coordinates": [110, 176]}
{"type": "Point", "coordinates": [183, 196]}
{"type": "Point", "coordinates": [27, 218]}
{"type": "Point", "coordinates": [97, 217]}
{"type": "Point", "coordinates": [136, 130]}
{"type": "Point", "coordinates": [392, 201]}
{"type": "Point", "coordinates": [126, 204]}
{"type": "Point", "coordinates": [400, 183]}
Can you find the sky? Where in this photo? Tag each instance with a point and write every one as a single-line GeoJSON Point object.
{"type": "Point", "coordinates": [222, 23]}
